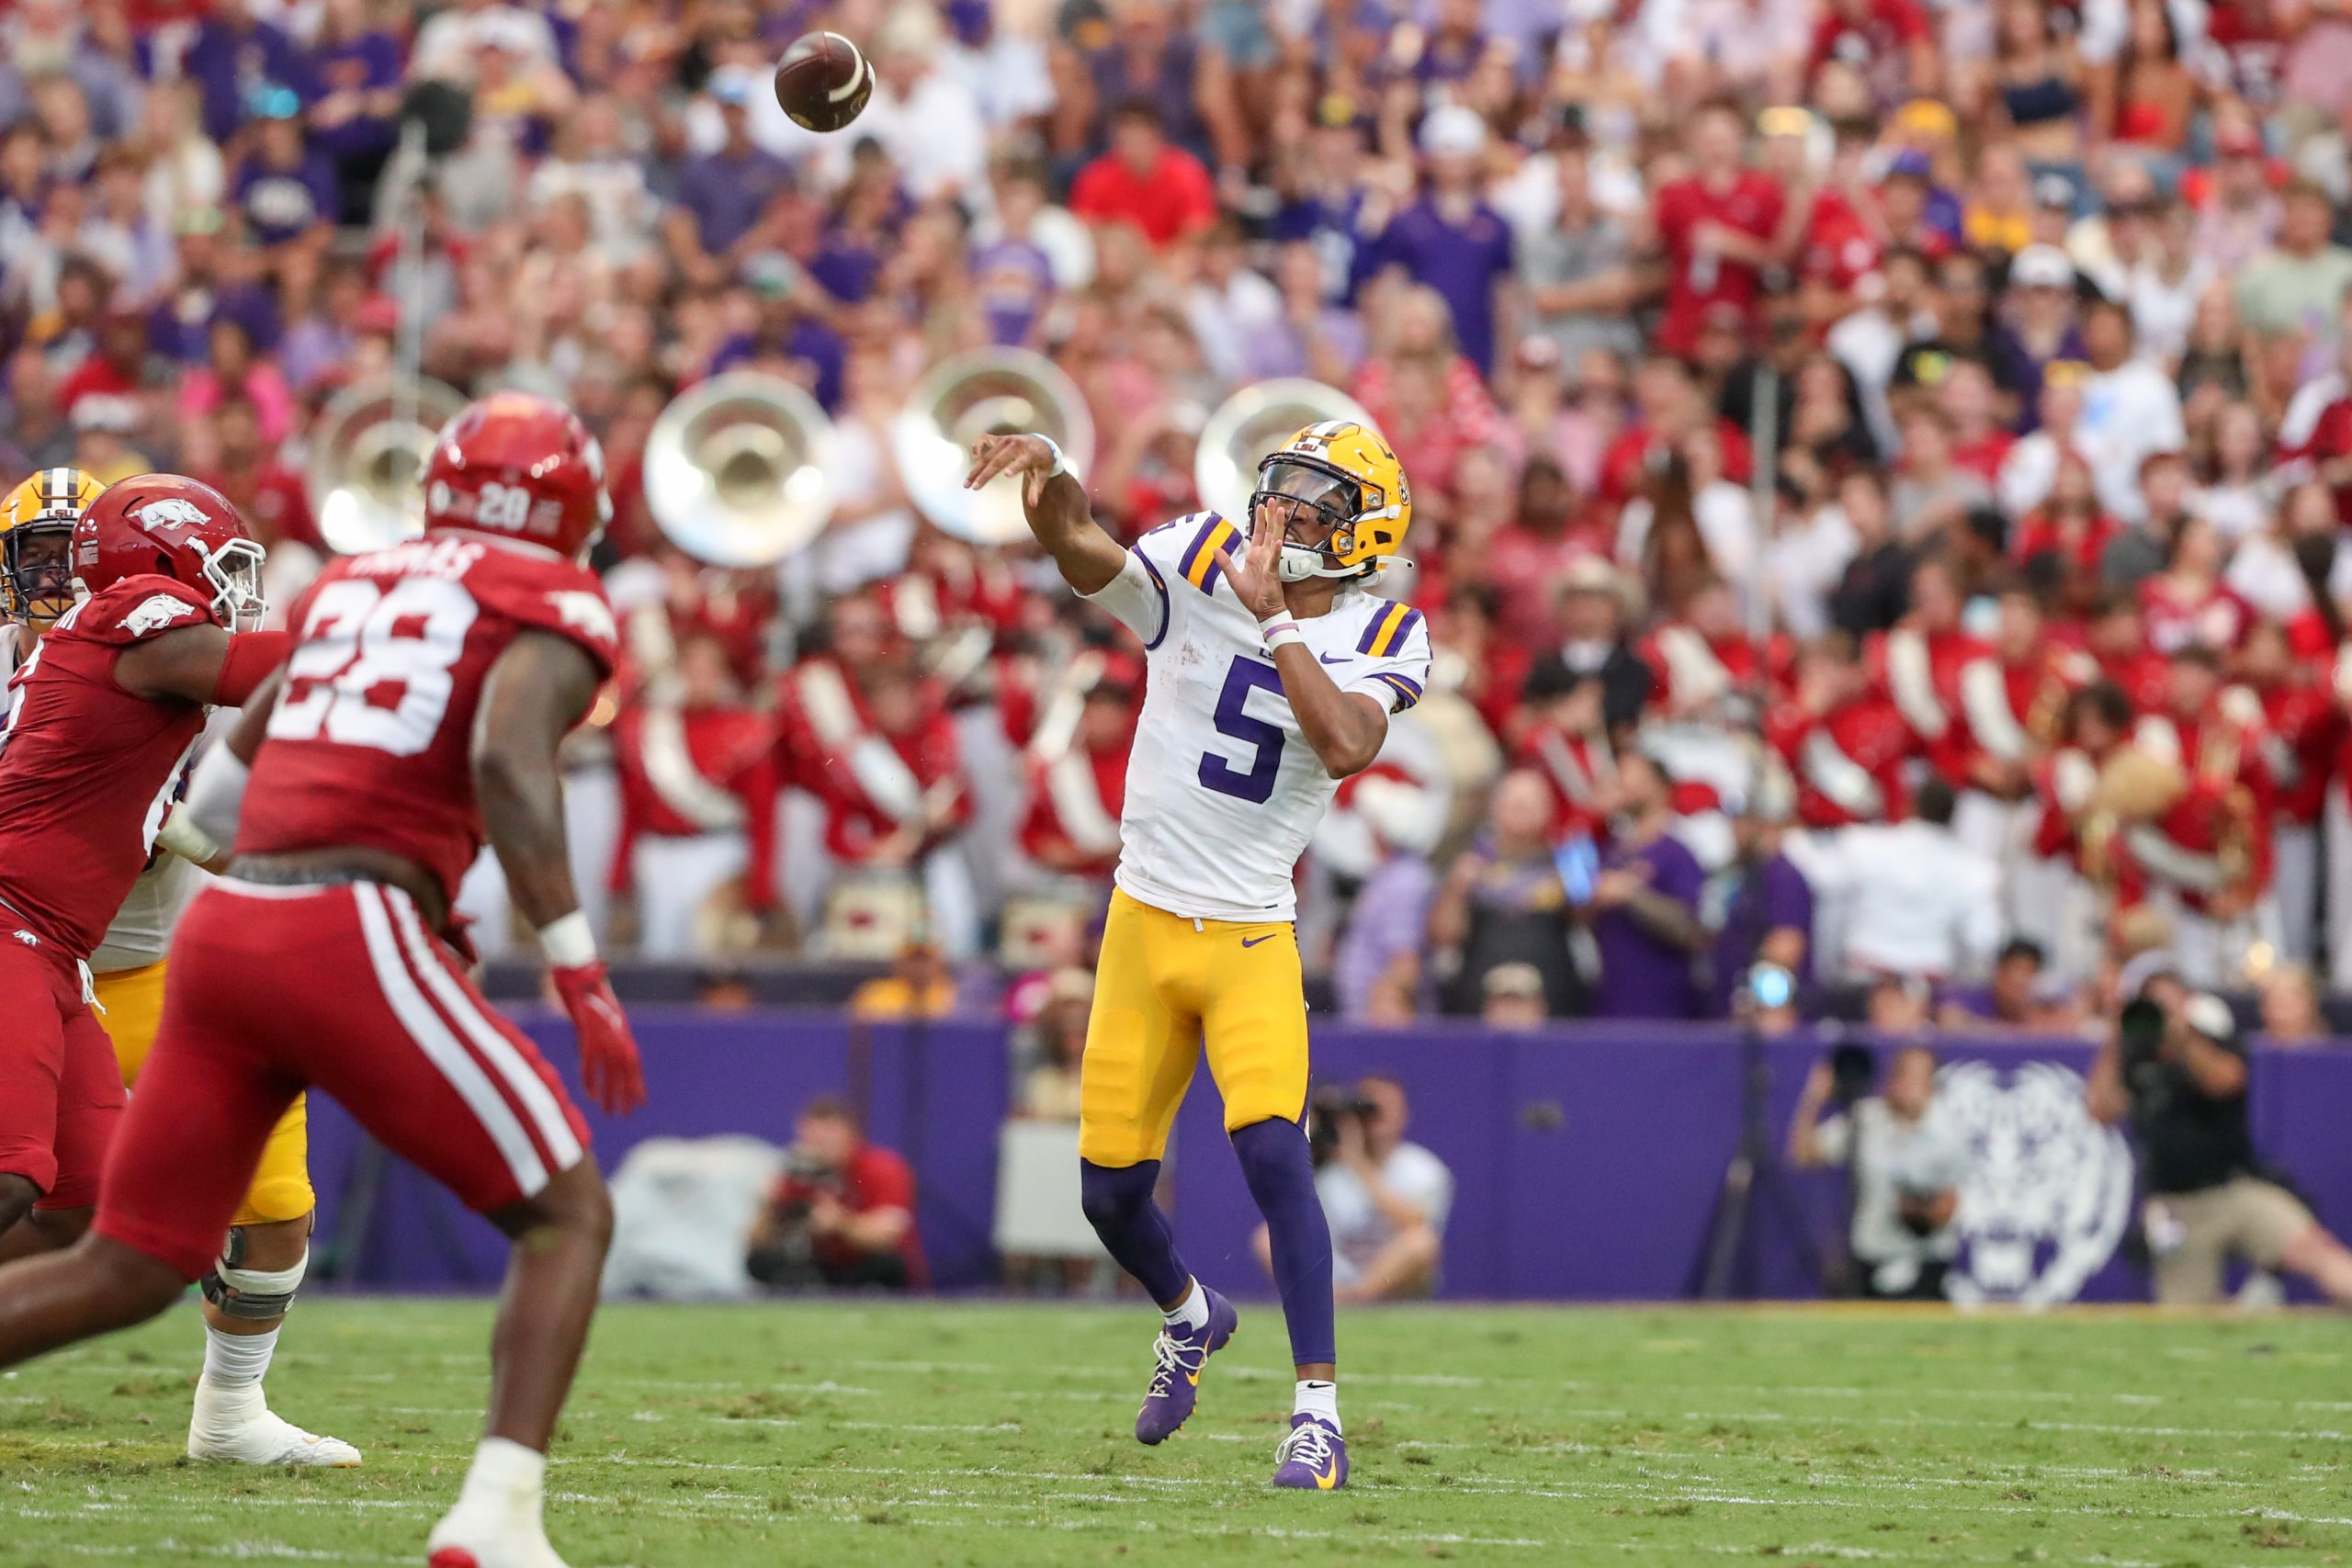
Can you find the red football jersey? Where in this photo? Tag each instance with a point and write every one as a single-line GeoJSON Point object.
{"type": "Point", "coordinates": [371, 744]}
{"type": "Point", "coordinates": [88, 769]}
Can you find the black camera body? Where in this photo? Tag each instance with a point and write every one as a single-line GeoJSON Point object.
{"type": "Point", "coordinates": [1325, 1110]}
{"type": "Point", "coordinates": [1853, 1073]}
{"type": "Point", "coordinates": [2140, 1029]}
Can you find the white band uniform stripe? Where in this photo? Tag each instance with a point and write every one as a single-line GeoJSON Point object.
{"type": "Point", "coordinates": [527, 1087]}
{"type": "Point", "coordinates": [433, 1037]}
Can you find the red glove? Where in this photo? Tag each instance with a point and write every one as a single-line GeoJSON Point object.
{"type": "Point", "coordinates": [608, 1064]}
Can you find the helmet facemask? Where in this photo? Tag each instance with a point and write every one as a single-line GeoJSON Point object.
{"type": "Point", "coordinates": [235, 572]}
{"type": "Point", "coordinates": [39, 585]}
{"type": "Point", "coordinates": [1308, 492]}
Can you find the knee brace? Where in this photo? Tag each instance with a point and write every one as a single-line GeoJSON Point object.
{"type": "Point", "coordinates": [254, 1294]}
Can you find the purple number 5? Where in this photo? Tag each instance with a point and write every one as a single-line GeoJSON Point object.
{"type": "Point", "coordinates": [1256, 785]}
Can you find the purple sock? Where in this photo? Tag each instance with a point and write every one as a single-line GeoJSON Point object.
{"type": "Point", "coordinates": [1281, 1173]}
{"type": "Point", "coordinates": [1117, 1201]}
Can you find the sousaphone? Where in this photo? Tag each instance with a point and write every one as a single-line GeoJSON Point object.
{"type": "Point", "coordinates": [736, 469]}
{"type": "Point", "coordinates": [990, 392]}
{"type": "Point", "coordinates": [1252, 423]}
{"type": "Point", "coordinates": [365, 474]}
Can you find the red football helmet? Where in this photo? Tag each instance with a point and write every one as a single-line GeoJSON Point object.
{"type": "Point", "coordinates": [169, 526]}
{"type": "Point", "coordinates": [521, 467]}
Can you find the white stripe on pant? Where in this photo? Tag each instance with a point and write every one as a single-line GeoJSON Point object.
{"type": "Point", "coordinates": [440, 1047]}
{"type": "Point", "coordinates": [521, 1079]}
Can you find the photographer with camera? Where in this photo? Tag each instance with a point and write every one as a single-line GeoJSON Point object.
{"type": "Point", "coordinates": [1905, 1164]}
{"type": "Point", "coordinates": [2174, 1069]}
{"type": "Point", "coordinates": [841, 1214]}
{"type": "Point", "coordinates": [1386, 1198]}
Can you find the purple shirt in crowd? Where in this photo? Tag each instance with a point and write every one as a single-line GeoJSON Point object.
{"type": "Point", "coordinates": [284, 204]}
{"type": "Point", "coordinates": [179, 327]}
{"type": "Point", "coordinates": [1768, 897]}
{"type": "Point", "coordinates": [232, 55]}
{"type": "Point", "coordinates": [1390, 916]}
{"type": "Point", "coordinates": [1641, 976]}
{"type": "Point", "coordinates": [366, 63]}
{"type": "Point", "coordinates": [728, 191]}
{"type": "Point", "coordinates": [1462, 264]}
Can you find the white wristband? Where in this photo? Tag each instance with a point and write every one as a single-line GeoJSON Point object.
{"type": "Point", "coordinates": [1281, 631]}
{"type": "Point", "coordinates": [1061, 465]}
{"type": "Point", "coordinates": [567, 943]}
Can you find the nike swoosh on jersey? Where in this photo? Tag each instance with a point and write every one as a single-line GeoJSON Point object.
{"type": "Point", "coordinates": [1254, 941]}
{"type": "Point", "coordinates": [1344, 659]}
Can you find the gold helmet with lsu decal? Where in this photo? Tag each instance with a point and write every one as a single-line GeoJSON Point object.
{"type": "Point", "coordinates": [36, 537]}
{"type": "Point", "coordinates": [1340, 472]}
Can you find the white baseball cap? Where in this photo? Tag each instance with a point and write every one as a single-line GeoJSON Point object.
{"type": "Point", "coordinates": [2041, 266]}
{"type": "Point", "coordinates": [1453, 132]}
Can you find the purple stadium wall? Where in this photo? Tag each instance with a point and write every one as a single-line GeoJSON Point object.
{"type": "Point", "coordinates": [1588, 1160]}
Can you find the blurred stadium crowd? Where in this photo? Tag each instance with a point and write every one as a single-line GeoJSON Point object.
{"type": "Point", "coordinates": [1877, 464]}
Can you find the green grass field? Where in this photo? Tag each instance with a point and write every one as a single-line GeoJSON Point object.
{"type": "Point", "coordinates": [1000, 1435]}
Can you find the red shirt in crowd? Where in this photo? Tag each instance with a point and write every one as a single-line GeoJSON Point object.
{"type": "Point", "coordinates": [1175, 197]}
{"type": "Point", "coordinates": [1873, 37]}
{"type": "Point", "coordinates": [871, 1180]}
{"type": "Point", "coordinates": [1983, 455]}
{"type": "Point", "coordinates": [1841, 246]}
{"type": "Point", "coordinates": [1751, 202]}
{"type": "Point", "coordinates": [96, 376]}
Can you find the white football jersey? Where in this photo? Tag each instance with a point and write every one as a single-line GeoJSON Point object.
{"type": "Point", "coordinates": [1223, 791]}
{"type": "Point", "coordinates": [140, 932]}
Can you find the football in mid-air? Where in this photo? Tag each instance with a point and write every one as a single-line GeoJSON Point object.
{"type": "Point", "coordinates": [823, 82]}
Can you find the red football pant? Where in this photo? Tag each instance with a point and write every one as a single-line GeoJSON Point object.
{"type": "Point", "coordinates": [61, 1093]}
{"type": "Point", "coordinates": [274, 990]}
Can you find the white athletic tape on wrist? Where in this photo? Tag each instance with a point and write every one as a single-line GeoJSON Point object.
{"type": "Point", "coordinates": [567, 943]}
{"type": "Point", "coordinates": [1061, 464]}
{"type": "Point", "coordinates": [216, 794]}
{"type": "Point", "coordinates": [1281, 631]}
{"type": "Point", "coordinates": [180, 835]}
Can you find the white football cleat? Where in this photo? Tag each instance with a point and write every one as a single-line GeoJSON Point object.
{"type": "Point", "coordinates": [244, 1431]}
{"type": "Point", "coordinates": [472, 1538]}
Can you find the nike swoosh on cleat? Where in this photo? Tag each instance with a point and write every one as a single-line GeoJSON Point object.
{"type": "Point", "coordinates": [1325, 1482]}
{"type": "Point", "coordinates": [1254, 941]}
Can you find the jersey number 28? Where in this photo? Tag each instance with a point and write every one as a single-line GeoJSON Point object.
{"type": "Point", "coordinates": [373, 665]}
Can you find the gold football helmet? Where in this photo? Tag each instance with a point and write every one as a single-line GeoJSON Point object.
{"type": "Point", "coordinates": [1342, 472]}
{"type": "Point", "coordinates": [36, 538]}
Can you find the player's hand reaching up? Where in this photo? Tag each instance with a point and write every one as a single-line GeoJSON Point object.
{"type": "Point", "coordinates": [1031, 456]}
{"type": "Point", "coordinates": [1255, 581]}
{"type": "Point", "coordinates": [608, 1062]}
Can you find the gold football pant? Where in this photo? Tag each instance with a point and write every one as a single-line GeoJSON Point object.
{"type": "Point", "coordinates": [1166, 987]}
{"type": "Point", "coordinates": [132, 1006]}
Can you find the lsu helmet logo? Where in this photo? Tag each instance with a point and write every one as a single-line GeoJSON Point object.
{"type": "Point", "coordinates": [156, 611]}
{"type": "Point", "coordinates": [170, 512]}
